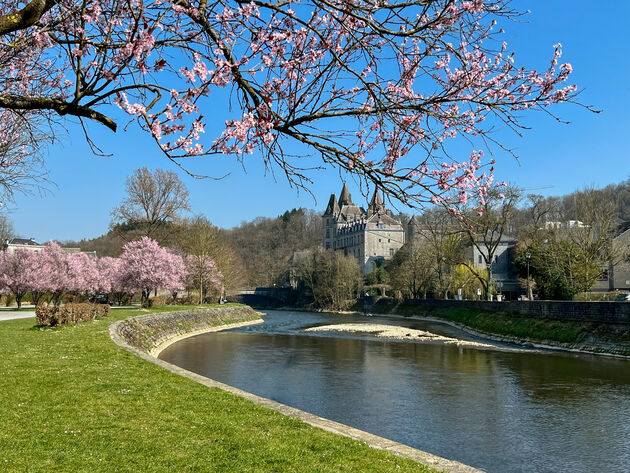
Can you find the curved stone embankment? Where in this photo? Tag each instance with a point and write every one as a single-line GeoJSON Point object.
{"type": "Point", "coordinates": [152, 333]}
{"type": "Point", "coordinates": [147, 335]}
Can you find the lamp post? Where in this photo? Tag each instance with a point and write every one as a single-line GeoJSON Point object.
{"type": "Point", "coordinates": [528, 255]}
{"type": "Point", "coordinates": [442, 271]}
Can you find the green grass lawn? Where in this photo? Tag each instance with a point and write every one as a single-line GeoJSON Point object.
{"type": "Point", "coordinates": [499, 323]}
{"type": "Point", "coordinates": [73, 401]}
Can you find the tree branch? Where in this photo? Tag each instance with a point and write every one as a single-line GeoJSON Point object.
{"type": "Point", "coordinates": [16, 102]}
{"type": "Point", "coordinates": [27, 16]}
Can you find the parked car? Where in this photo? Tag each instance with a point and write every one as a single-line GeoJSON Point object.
{"type": "Point", "coordinates": [99, 299]}
{"type": "Point", "coordinates": [623, 298]}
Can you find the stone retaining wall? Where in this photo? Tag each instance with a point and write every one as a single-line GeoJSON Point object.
{"type": "Point", "coordinates": [150, 333]}
{"type": "Point", "coordinates": [602, 312]}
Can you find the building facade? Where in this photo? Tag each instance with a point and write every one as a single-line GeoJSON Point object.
{"type": "Point", "coordinates": [370, 236]}
{"type": "Point", "coordinates": [503, 271]}
{"type": "Point", "coordinates": [30, 244]}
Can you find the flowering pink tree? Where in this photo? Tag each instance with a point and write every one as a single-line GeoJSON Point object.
{"type": "Point", "coordinates": [18, 272]}
{"type": "Point", "coordinates": [375, 88]}
{"type": "Point", "coordinates": [203, 274]}
{"type": "Point", "coordinates": [108, 270]}
{"type": "Point", "coordinates": [145, 266]}
{"type": "Point", "coordinates": [83, 274]}
{"type": "Point", "coordinates": [55, 276]}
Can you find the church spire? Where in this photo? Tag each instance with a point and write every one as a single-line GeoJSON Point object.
{"type": "Point", "coordinates": [344, 198]}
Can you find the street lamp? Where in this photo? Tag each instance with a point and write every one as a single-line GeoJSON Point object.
{"type": "Point", "coordinates": [528, 255]}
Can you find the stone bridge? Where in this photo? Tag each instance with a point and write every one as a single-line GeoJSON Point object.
{"type": "Point", "coordinates": [263, 297]}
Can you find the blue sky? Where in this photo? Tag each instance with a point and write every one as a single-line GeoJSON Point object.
{"type": "Point", "coordinates": [593, 149]}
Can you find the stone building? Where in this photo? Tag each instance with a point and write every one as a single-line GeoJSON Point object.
{"type": "Point", "coordinates": [503, 271]}
{"type": "Point", "coordinates": [616, 274]}
{"type": "Point", "coordinates": [370, 236]}
{"type": "Point", "coordinates": [30, 244]}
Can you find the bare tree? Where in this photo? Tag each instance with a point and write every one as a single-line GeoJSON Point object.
{"type": "Point", "coordinates": [594, 228]}
{"type": "Point", "coordinates": [154, 199]}
{"type": "Point", "coordinates": [438, 230]}
{"type": "Point", "coordinates": [201, 240]}
{"type": "Point", "coordinates": [21, 143]}
{"type": "Point", "coordinates": [530, 222]}
{"type": "Point", "coordinates": [334, 280]}
{"type": "Point", "coordinates": [6, 230]}
{"type": "Point", "coordinates": [413, 270]}
{"type": "Point", "coordinates": [484, 222]}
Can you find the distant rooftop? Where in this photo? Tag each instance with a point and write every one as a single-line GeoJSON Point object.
{"type": "Point", "coordinates": [23, 241]}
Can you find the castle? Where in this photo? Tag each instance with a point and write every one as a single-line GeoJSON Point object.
{"type": "Point", "coordinates": [370, 237]}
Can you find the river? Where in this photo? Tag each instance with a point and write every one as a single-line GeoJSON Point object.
{"type": "Point", "coordinates": [500, 411]}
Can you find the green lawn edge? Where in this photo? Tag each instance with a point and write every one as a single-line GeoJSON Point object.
{"type": "Point", "coordinates": [72, 400]}
{"type": "Point", "coordinates": [527, 329]}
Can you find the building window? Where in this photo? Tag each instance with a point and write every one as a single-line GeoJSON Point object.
{"type": "Point", "coordinates": [327, 233]}
{"type": "Point", "coordinates": [327, 245]}
{"type": "Point", "coordinates": [389, 240]}
{"type": "Point", "coordinates": [479, 259]}
{"type": "Point", "coordinates": [391, 252]}
{"type": "Point", "coordinates": [379, 240]}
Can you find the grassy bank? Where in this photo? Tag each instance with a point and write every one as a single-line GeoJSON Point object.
{"type": "Point", "coordinates": [72, 400]}
{"type": "Point", "coordinates": [594, 336]}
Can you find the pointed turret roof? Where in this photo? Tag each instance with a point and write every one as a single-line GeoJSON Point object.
{"type": "Point", "coordinates": [344, 198]}
{"type": "Point", "coordinates": [376, 204]}
{"type": "Point", "coordinates": [333, 207]}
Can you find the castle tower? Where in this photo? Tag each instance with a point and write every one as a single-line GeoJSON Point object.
{"type": "Point", "coordinates": [370, 237]}
{"type": "Point", "coordinates": [329, 220]}
{"type": "Point", "coordinates": [344, 198]}
{"type": "Point", "coordinates": [376, 204]}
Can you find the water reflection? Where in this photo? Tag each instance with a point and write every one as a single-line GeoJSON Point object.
{"type": "Point", "coordinates": [500, 411]}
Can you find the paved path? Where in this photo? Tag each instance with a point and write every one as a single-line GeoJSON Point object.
{"type": "Point", "coordinates": [15, 314]}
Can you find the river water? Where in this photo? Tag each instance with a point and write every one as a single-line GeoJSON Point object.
{"type": "Point", "coordinates": [500, 411]}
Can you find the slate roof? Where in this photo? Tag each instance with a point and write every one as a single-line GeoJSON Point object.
{"type": "Point", "coordinates": [23, 241]}
{"type": "Point", "coordinates": [344, 198]}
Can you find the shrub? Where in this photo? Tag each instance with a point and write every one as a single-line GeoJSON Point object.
{"type": "Point", "coordinates": [45, 314]}
{"type": "Point", "coordinates": [7, 300]}
{"type": "Point", "coordinates": [186, 300]}
{"type": "Point", "coordinates": [157, 301]}
{"type": "Point", "coordinates": [49, 315]}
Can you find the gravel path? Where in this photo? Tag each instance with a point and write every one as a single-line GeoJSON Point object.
{"type": "Point", "coordinates": [15, 314]}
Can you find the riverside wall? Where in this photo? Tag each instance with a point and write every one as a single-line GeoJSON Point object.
{"type": "Point", "coordinates": [153, 332]}
{"type": "Point", "coordinates": [598, 312]}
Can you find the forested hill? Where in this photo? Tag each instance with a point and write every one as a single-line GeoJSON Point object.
{"type": "Point", "coordinates": [266, 244]}
{"type": "Point", "coordinates": [566, 205]}
{"type": "Point", "coordinates": [263, 245]}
